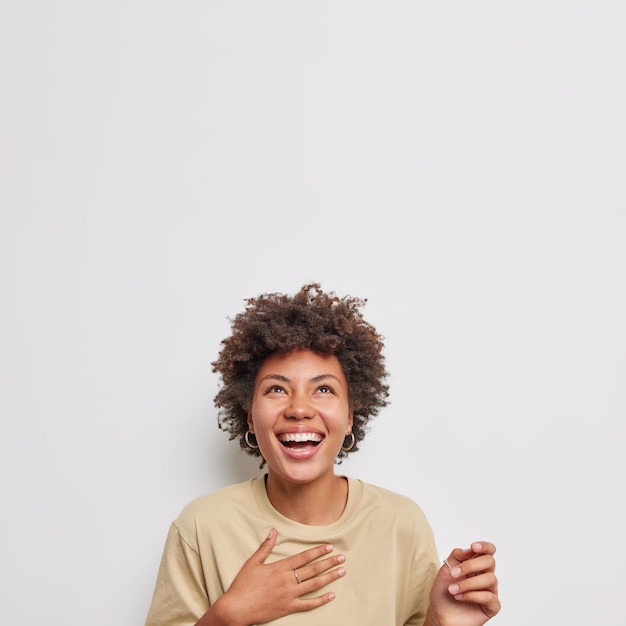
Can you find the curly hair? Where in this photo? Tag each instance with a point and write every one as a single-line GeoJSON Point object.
{"type": "Point", "coordinates": [311, 320]}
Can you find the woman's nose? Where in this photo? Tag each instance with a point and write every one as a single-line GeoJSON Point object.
{"type": "Point", "coordinates": [299, 407]}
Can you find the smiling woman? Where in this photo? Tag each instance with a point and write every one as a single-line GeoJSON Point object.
{"type": "Point", "coordinates": [301, 376]}
{"type": "Point", "coordinates": [301, 415]}
{"type": "Point", "coordinates": [311, 320]}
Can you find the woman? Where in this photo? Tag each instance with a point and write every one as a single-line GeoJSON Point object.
{"type": "Point", "coordinates": [300, 378]}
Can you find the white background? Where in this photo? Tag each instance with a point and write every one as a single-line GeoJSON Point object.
{"type": "Point", "coordinates": [460, 164]}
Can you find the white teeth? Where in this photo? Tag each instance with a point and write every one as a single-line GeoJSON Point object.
{"type": "Point", "coordinates": [299, 437]}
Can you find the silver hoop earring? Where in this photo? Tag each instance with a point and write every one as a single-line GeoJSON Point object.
{"type": "Point", "coordinates": [247, 438]}
{"type": "Point", "coordinates": [347, 448]}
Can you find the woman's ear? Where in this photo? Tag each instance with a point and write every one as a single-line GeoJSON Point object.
{"type": "Point", "coordinates": [250, 422]}
{"type": "Point", "coordinates": [350, 422]}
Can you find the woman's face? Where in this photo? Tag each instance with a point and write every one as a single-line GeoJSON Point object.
{"type": "Point", "coordinates": [300, 414]}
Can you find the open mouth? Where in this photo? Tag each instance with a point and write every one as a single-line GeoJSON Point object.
{"type": "Point", "coordinates": [297, 441]}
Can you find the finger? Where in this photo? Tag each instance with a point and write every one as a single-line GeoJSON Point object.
{"type": "Point", "coordinates": [265, 548]}
{"type": "Point", "coordinates": [459, 555]}
{"type": "Point", "coordinates": [312, 603]}
{"type": "Point", "coordinates": [318, 567]}
{"type": "Point", "coordinates": [488, 601]}
{"type": "Point", "coordinates": [317, 582]}
{"type": "Point", "coordinates": [473, 566]}
{"type": "Point", "coordinates": [483, 547]}
{"type": "Point", "coordinates": [482, 582]}
{"type": "Point", "coordinates": [303, 558]}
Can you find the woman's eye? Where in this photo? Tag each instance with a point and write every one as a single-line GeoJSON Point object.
{"type": "Point", "coordinates": [275, 389]}
{"type": "Point", "coordinates": [325, 389]}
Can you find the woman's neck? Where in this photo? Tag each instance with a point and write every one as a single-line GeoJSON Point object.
{"type": "Point", "coordinates": [316, 504]}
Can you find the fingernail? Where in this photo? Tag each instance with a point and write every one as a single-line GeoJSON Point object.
{"type": "Point", "coordinates": [271, 533]}
{"type": "Point", "coordinates": [329, 547]}
{"type": "Point", "coordinates": [341, 572]}
{"type": "Point", "coordinates": [477, 547]}
{"type": "Point", "coordinates": [331, 596]}
{"type": "Point", "coordinates": [455, 572]}
{"type": "Point", "coordinates": [453, 589]}
{"type": "Point", "coordinates": [341, 558]}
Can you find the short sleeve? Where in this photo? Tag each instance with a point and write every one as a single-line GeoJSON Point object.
{"type": "Point", "coordinates": [180, 597]}
{"type": "Point", "coordinates": [424, 566]}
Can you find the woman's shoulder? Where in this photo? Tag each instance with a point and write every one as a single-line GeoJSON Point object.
{"type": "Point", "coordinates": [221, 503]}
{"type": "Point", "coordinates": [404, 520]}
{"type": "Point", "coordinates": [386, 501]}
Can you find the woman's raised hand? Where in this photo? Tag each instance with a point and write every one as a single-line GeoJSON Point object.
{"type": "Point", "coordinates": [262, 592]}
{"type": "Point", "coordinates": [465, 591]}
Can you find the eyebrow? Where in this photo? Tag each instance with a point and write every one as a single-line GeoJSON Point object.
{"type": "Point", "coordinates": [284, 379]}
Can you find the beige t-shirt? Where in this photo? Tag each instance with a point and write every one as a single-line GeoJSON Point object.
{"type": "Point", "coordinates": [391, 559]}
